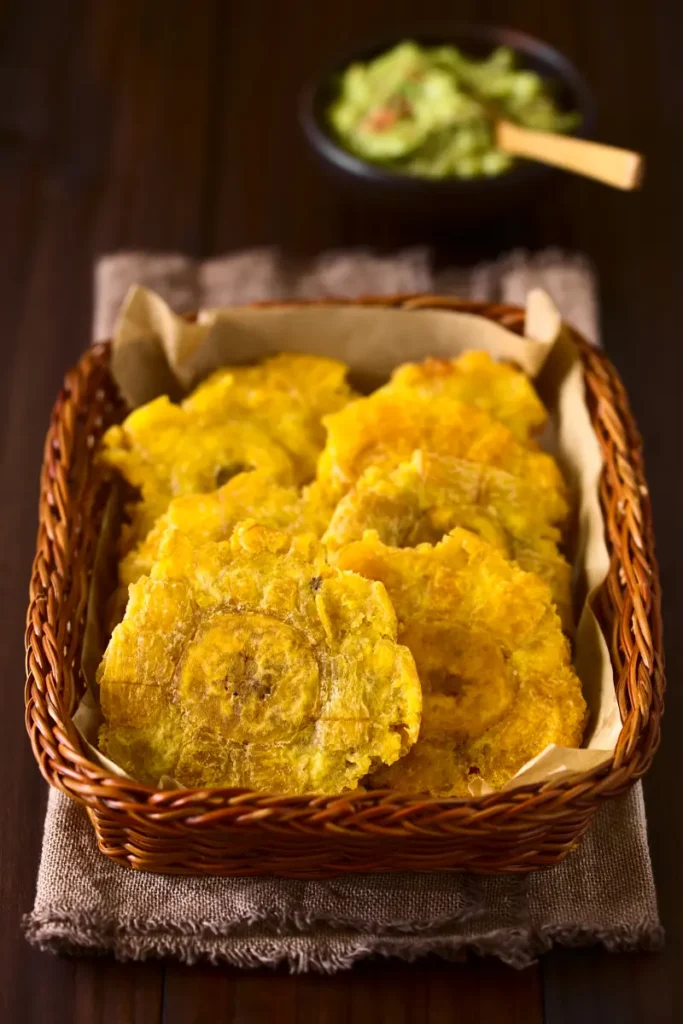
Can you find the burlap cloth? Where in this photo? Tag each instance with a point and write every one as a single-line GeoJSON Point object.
{"type": "Point", "coordinates": [602, 893]}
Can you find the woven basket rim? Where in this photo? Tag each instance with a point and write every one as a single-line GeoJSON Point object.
{"type": "Point", "coordinates": [53, 736]}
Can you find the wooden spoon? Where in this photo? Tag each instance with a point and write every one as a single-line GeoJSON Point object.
{"type": "Point", "coordinates": [621, 168]}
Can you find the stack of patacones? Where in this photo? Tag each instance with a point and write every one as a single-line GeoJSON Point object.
{"type": "Point", "coordinates": [320, 591]}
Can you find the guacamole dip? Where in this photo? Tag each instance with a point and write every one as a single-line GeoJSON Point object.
{"type": "Point", "coordinates": [425, 111]}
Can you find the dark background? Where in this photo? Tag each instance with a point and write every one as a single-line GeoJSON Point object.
{"type": "Point", "coordinates": [169, 124]}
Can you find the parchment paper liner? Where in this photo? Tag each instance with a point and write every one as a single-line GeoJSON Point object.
{"type": "Point", "coordinates": [157, 352]}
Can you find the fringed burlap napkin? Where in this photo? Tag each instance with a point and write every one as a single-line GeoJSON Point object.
{"type": "Point", "coordinates": [602, 893]}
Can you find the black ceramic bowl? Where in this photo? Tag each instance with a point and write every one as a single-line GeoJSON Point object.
{"type": "Point", "coordinates": [479, 196]}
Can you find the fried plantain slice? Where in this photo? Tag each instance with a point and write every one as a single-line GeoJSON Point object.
{"type": "Point", "coordinates": [287, 394]}
{"type": "Point", "coordinates": [252, 662]}
{"type": "Point", "coordinates": [494, 664]}
{"type": "Point", "coordinates": [421, 500]}
{"type": "Point", "coordinates": [501, 390]}
{"type": "Point", "coordinates": [165, 450]}
{"type": "Point", "coordinates": [388, 426]}
{"type": "Point", "coordinates": [212, 517]}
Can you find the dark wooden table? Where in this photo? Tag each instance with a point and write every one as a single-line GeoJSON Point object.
{"type": "Point", "coordinates": [170, 124]}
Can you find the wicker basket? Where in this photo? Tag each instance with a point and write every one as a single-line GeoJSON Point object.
{"type": "Point", "coordinates": [234, 832]}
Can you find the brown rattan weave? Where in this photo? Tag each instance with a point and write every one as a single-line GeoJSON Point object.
{"type": "Point", "coordinates": [213, 831]}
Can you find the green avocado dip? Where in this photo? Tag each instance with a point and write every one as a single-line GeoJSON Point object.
{"type": "Point", "coordinates": [426, 111]}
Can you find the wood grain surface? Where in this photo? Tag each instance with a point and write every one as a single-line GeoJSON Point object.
{"type": "Point", "coordinates": [169, 124]}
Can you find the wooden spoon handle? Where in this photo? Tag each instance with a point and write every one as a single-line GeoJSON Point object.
{"type": "Point", "coordinates": [621, 168]}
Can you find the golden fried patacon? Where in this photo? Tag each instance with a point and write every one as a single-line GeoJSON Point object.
{"type": "Point", "coordinates": [388, 426]}
{"type": "Point", "coordinates": [287, 394]}
{"type": "Point", "coordinates": [165, 451]}
{"type": "Point", "coordinates": [501, 390]}
{"type": "Point", "coordinates": [212, 517]}
{"type": "Point", "coordinates": [252, 662]}
{"type": "Point", "coordinates": [494, 664]}
{"type": "Point", "coordinates": [421, 500]}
